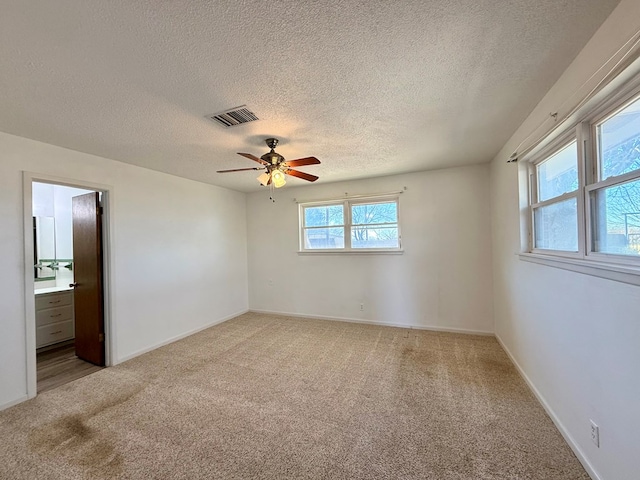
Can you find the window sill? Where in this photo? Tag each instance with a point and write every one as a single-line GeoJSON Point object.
{"type": "Point", "coordinates": [349, 252]}
{"type": "Point", "coordinates": [618, 273]}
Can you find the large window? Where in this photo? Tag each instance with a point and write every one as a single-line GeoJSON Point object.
{"type": "Point", "coordinates": [585, 189]}
{"type": "Point", "coordinates": [351, 225]}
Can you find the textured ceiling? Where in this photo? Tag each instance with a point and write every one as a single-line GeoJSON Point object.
{"type": "Point", "coordinates": [370, 87]}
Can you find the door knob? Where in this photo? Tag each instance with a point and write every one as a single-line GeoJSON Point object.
{"type": "Point", "coordinates": [73, 285]}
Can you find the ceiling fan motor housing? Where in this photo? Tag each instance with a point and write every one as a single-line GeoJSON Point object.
{"type": "Point", "coordinates": [272, 158]}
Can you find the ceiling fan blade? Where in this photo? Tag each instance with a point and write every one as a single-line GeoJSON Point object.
{"type": "Point", "coordinates": [238, 170]}
{"type": "Point", "coordinates": [253, 157]}
{"type": "Point", "coordinates": [299, 162]}
{"type": "Point", "coordinates": [304, 176]}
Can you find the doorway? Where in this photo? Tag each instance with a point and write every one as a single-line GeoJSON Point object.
{"type": "Point", "coordinates": [68, 282]}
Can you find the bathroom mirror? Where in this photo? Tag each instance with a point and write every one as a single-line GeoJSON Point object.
{"type": "Point", "coordinates": [44, 248]}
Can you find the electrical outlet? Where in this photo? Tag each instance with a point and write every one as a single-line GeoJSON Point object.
{"type": "Point", "coordinates": [595, 434]}
{"type": "Point", "coordinates": [270, 282]}
{"type": "Point", "coordinates": [361, 307]}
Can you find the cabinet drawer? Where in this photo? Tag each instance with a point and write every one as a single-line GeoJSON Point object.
{"type": "Point", "coordinates": [55, 332]}
{"type": "Point", "coordinates": [50, 300]}
{"type": "Point", "coordinates": [54, 315]}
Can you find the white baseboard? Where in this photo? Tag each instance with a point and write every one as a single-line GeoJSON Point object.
{"type": "Point", "coordinates": [4, 406]}
{"type": "Point", "coordinates": [373, 322]}
{"type": "Point", "coordinates": [559, 425]}
{"type": "Point", "coordinates": [178, 337]}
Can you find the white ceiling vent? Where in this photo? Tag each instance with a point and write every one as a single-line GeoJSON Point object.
{"type": "Point", "coordinates": [234, 116]}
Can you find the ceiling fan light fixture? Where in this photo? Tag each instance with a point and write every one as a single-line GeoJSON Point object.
{"type": "Point", "coordinates": [264, 179]}
{"type": "Point", "coordinates": [277, 177]}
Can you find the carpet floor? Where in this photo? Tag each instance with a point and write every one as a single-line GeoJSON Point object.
{"type": "Point", "coordinates": [269, 397]}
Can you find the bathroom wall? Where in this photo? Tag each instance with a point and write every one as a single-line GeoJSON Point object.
{"type": "Point", "coordinates": [55, 201]}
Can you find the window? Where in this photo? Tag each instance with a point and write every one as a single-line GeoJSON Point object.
{"type": "Point", "coordinates": [555, 208]}
{"type": "Point", "coordinates": [324, 227]}
{"type": "Point", "coordinates": [362, 225]}
{"type": "Point", "coordinates": [614, 198]}
{"type": "Point", "coordinates": [585, 188]}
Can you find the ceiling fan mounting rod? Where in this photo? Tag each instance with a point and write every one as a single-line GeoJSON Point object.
{"type": "Point", "coordinates": [272, 143]}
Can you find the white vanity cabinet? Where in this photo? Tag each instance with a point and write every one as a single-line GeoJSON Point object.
{"type": "Point", "coordinates": [54, 317]}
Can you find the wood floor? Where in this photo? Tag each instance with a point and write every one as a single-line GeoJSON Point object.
{"type": "Point", "coordinates": [60, 365]}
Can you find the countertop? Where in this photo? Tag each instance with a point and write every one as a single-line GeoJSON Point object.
{"type": "Point", "coordinates": [40, 291]}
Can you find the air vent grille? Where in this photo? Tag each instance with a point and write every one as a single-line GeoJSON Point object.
{"type": "Point", "coordinates": [233, 117]}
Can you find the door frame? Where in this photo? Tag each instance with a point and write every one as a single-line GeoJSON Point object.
{"type": "Point", "coordinates": [29, 283]}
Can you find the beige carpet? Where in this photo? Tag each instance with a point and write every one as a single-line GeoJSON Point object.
{"type": "Point", "coordinates": [270, 397]}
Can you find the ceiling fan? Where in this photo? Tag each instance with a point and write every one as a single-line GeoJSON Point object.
{"type": "Point", "coordinates": [276, 167]}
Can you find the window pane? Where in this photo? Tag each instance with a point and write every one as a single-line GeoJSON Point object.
{"type": "Point", "coordinates": [324, 238]}
{"type": "Point", "coordinates": [372, 213]}
{"type": "Point", "coordinates": [374, 237]}
{"type": "Point", "coordinates": [558, 174]}
{"type": "Point", "coordinates": [616, 219]}
{"type": "Point", "coordinates": [556, 226]}
{"type": "Point", "coordinates": [619, 142]}
{"type": "Point", "coordinates": [323, 215]}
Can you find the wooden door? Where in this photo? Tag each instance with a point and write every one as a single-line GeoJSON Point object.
{"type": "Point", "coordinates": [87, 272]}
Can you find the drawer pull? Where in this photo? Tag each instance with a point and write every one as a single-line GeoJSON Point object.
{"type": "Point", "coordinates": [57, 315]}
{"type": "Point", "coordinates": [57, 301]}
{"type": "Point", "coordinates": [56, 332]}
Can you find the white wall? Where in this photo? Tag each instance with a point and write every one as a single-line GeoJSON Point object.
{"type": "Point", "coordinates": [178, 249]}
{"type": "Point", "coordinates": [442, 280]}
{"type": "Point", "coordinates": [576, 337]}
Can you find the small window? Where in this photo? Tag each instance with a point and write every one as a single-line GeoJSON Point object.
{"type": "Point", "coordinates": [324, 227]}
{"type": "Point", "coordinates": [558, 174]}
{"type": "Point", "coordinates": [555, 209]}
{"type": "Point", "coordinates": [619, 142]}
{"type": "Point", "coordinates": [351, 225]}
{"type": "Point", "coordinates": [374, 225]}
{"type": "Point", "coordinates": [615, 196]}
{"type": "Point", "coordinates": [556, 226]}
{"type": "Point", "coordinates": [616, 219]}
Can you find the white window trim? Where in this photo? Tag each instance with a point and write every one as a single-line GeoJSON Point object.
{"type": "Point", "coordinates": [610, 271]}
{"type": "Point", "coordinates": [347, 203]}
{"type": "Point", "coordinates": [620, 268]}
{"type": "Point", "coordinates": [551, 150]}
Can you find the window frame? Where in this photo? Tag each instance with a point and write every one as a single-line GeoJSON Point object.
{"type": "Point", "coordinates": [620, 267]}
{"type": "Point", "coordinates": [608, 109]}
{"type": "Point", "coordinates": [554, 148]}
{"type": "Point", "coordinates": [303, 227]}
{"type": "Point", "coordinates": [347, 204]}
